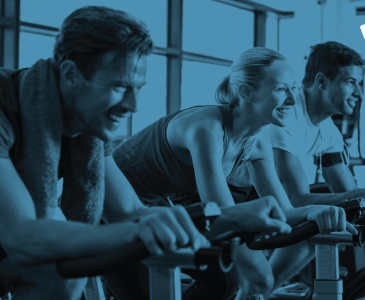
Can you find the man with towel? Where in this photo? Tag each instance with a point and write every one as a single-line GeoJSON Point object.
{"type": "Point", "coordinates": [57, 119]}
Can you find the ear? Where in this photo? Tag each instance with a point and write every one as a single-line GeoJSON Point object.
{"type": "Point", "coordinates": [245, 93]}
{"type": "Point", "coordinates": [320, 81]}
{"type": "Point", "coordinates": [70, 74]}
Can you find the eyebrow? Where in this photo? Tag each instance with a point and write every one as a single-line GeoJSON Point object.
{"type": "Point", "coordinates": [285, 83]}
{"type": "Point", "coordinates": [124, 83]}
{"type": "Point", "coordinates": [353, 78]}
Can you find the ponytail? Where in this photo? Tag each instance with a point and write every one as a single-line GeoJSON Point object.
{"type": "Point", "coordinates": [223, 94]}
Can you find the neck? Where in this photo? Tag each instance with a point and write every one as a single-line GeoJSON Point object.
{"type": "Point", "coordinates": [246, 123]}
{"type": "Point", "coordinates": [317, 110]}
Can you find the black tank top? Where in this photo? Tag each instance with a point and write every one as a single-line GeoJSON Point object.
{"type": "Point", "coordinates": [153, 169]}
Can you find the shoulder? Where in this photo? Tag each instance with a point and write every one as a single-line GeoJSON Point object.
{"type": "Point", "coordinates": [332, 137]}
{"type": "Point", "coordinates": [198, 123]}
{"type": "Point", "coordinates": [261, 146]}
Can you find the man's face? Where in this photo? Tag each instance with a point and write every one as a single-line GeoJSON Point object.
{"type": "Point", "coordinates": [345, 90]}
{"type": "Point", "coordinates": [275, 98]}
{"type": "Point", "coordinates": [111, 94]}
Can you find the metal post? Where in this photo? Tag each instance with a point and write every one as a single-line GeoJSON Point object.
{"type": "Point", "coordinates": [174, 62]}
{"type": "Point", "coordinates": [9, 33]}
{"type": "Point", "coordinates": [260, 29]}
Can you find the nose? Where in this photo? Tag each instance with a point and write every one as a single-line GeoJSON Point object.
{"type": "Point", "coordinates": [291, 98]}
{"type": "Point", "coordinates": [357, 91]}
{"type": "Point", "coordinates": [130, 101]}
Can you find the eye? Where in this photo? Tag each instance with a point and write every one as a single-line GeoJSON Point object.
{"type": "Point", "coordinates": [282, 89]}
{"type": "Point", "coordinates": [120, 89]}
{"type": "Point", "coordinates": [293, 88]}
{"type": "Point", "coordinates": [351, 82]}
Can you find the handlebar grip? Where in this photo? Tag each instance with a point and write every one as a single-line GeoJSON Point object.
{"type": "Point", "coordinates": [297, 235]}
{"type": "Point", "coordinates": [285, 240]}
{"type": "Point", "coordinates": [103, 263]}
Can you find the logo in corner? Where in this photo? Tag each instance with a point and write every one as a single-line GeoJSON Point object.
{"type": "Point", "coordinates": [362, 27]}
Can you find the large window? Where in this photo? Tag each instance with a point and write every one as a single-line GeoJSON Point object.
{"type": "Point", "coordinates": [216, 29]}
{"type": "Point", "coordinates": [199, 82]}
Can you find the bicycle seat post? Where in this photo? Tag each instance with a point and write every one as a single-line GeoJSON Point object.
{"type": "Point", "coordinates": [328, 285]}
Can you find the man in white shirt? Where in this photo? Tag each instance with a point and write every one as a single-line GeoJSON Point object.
{"type": "Point", "coordinates": [332, 85]}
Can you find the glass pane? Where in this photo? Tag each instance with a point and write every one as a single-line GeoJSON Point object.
{"type": "Point", "coordinates": [272, 33]}
{"type": "Point", "coordinates": [216, 29]}
{"type": "Point", "coordinates": [33, 47]}
{"type": "Point", "coordinates": [199, 82]}
{"type": "Point", "coordinates": [152, 97]}
{"type": "Point", "coordinates": [52, 13]}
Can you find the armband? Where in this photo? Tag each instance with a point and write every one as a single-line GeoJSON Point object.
{"type": "Point", "coordinates": [330, 159]}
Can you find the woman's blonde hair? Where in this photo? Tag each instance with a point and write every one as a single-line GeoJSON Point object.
{"type": "Point", "coordinates": [248, 68]}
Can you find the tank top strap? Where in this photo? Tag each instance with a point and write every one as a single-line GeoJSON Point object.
{"type": "Point", "coordinates": [227, 115]}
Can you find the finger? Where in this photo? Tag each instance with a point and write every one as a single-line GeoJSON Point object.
{"type": "Point", "coordinates": [163, 233]}
{"type": "Point", "coordinates": [327, 221]}
{"type": "Point", "coordinates": [149, 240]}
{"type": "Point", "coordinates": [189, 228]}
{"type": "Point", "coordinates": [320, 223]}
{"type": "Point", "coordinates": [176, 220]}
{"type": "Point", "coordinates": [350, 228]}
{"type": "Point", "coordinates": [275, 210]}
{"type": "Point", "coordinates": [335, 219]}
{"type": "Point", "coordinates": [258, 237]}
{"type": "Point", "coordinates": [341, 219]}
{"type": "Point", "coordinates": [200, 242]}
{"type": "Point", "coordinates": [273, 225]}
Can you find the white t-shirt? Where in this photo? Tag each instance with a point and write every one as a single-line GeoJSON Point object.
{"type": "Point", "coordinates": [300, 137]}
{"type": "Point", "coordinates": [304, 139]}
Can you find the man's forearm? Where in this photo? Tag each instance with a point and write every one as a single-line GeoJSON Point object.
{"type": "Point", "coordinates": [36, 242]}
{"type": "Point", "coordinates": [327, 199]}
{"type": "Point", "coordinates": [297, 216]}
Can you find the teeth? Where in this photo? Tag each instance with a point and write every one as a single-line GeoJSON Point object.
{"type": "Point", "coordinates": [283, 110]}
{"type": "Point", "coordinates": [115, 118]}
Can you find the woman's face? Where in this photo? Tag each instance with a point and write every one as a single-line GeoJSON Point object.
{"type": "Point", "coordinates": [275, 98]}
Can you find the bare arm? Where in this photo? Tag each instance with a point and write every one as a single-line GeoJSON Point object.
{"type": "Point", "coordinates": [205, 143]}
{"type": "Point", "coordinates": [28, 241]}
{"type": "Point", "coordinates": [122, 203]}
{"type": "Point", "coordinates": [263, 174]}
{"type": "Point", "coordinates": [295, 183]}
{"type": "Point", "coordinates": [339, 178]}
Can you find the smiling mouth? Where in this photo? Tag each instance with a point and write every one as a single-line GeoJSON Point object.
{"type": "Point", "coordinates": [116, 118]}
{"type": "Point", "coordinates": [352, 103]}
{"type": "Point", "coordinates": [283, 111]}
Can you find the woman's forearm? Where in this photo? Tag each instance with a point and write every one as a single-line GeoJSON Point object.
{"type": "Point", "coordinates": [36, 242]}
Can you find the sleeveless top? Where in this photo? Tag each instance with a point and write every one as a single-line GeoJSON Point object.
{"type": "Point", "coordinates": [153, 169]}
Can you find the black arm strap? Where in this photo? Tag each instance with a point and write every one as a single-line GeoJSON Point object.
{"type": "Point", "coordinates": [330, 159]}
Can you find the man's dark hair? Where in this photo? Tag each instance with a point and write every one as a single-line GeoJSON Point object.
{"type": "Point", "coordinates": [328, 58]}
{"type": "Point", "coordinates": [92, 31]}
